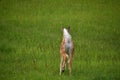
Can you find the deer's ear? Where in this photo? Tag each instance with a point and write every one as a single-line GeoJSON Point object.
{"type": "Point", "coordinates": [68, 28]}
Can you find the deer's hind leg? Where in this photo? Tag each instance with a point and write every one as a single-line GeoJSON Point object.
{"type": "Point", "coordinates": [70, 60]}
{"type": "Point", "coordinates": [61, 64]}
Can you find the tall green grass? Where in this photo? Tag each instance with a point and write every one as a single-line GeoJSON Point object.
{"type": "Point", "coordinates": [30, 37]}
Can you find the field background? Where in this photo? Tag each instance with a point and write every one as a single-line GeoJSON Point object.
{"type": "Point", "coordinates": [30, 36]}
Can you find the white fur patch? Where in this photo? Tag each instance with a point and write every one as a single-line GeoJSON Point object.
{"type": "Point", "coordinates": [67, 56]}
{"type": "Point", "coordinates": [68, 40]}
{"type": "Point", "coordinates": [67, 36]}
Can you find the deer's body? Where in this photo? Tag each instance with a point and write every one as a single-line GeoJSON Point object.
{"type": "Point", "coordinates": [66, 51]}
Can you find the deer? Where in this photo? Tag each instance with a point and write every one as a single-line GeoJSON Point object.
{"type": "Point", "coordinates": [66, 51]}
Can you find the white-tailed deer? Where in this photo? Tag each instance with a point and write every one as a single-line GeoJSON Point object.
{"type": "Point", "coordinates": [66, 51]}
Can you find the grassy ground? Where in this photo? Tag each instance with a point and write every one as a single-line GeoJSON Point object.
{"type": "Point", "coordinates": [30, 36]}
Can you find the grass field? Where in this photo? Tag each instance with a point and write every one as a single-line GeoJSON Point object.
{"type": "Point", "coordinates": [30, 36]}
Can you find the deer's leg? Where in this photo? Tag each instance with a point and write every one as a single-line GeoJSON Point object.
{"type": "Point", "coordinates": [70, 65]}
{"type": "Point", "coordinates": [70, 60]}
{"type": "Point", "coordinates": [61, 64]}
